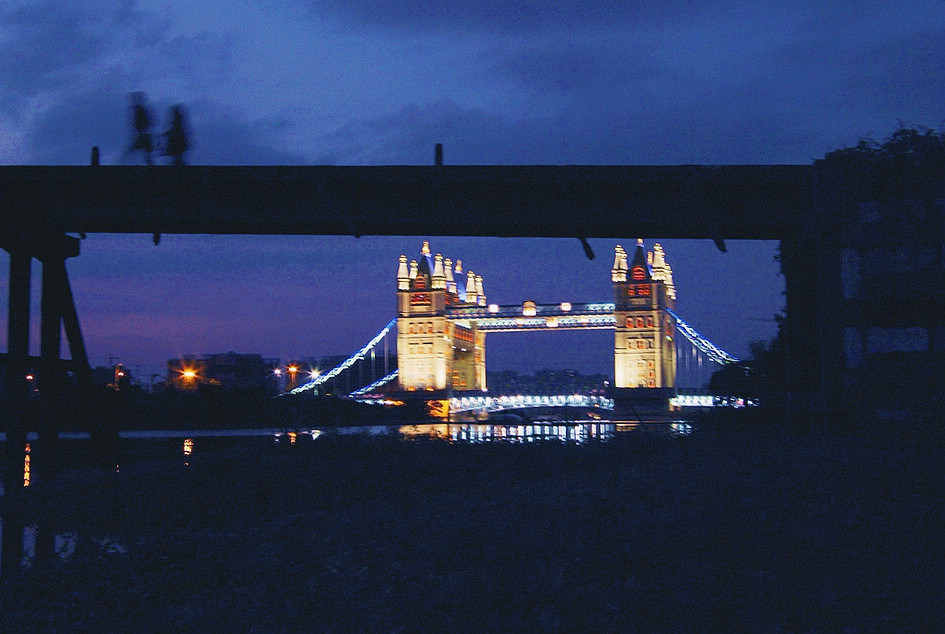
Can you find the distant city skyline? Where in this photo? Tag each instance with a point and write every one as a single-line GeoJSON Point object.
{"type": "Point", "coordinates": [339, 299]}
{"type": "Point", "coordinates": [359, 82]}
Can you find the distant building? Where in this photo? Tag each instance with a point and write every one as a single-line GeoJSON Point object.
{"type": "Point", "coordinates": [230, 371]}
{"type": "Point", "coordinates": [885, 346]}
{"type": "Point", "coordinates": [864, 334]}
{"type": "Point", "coordinates": [116, 376]}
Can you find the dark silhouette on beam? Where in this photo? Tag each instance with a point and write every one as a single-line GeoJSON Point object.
{"type": "Point", "coordinates": [730, 202]}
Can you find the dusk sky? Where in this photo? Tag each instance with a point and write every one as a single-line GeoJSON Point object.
{"type": "Point", "coordinates": [377, 82]}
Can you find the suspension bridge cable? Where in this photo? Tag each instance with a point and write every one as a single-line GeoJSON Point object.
{"type": "Point", "coordinates": [367, 389]}
{"type": "Point", "coordinates": [347, 363]}
{"type": "Point", "coordinates": [707, 347]}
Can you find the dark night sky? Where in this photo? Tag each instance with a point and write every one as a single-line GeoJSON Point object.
{"type": "Point", "coordinates": [371, 82]}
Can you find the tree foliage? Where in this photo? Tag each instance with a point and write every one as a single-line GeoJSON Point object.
{"type": "Point", "coordinates": [909, 164]}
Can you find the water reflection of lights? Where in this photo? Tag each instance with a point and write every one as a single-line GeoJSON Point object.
{"type": "Point", "coordinates": [188, 446]}
{"type": "Point", "coordinates": [26, 465]}
{"type": "Point", "coordinates": [293, 436]}
{"type": "Point", "coordinates": [497, 403]}
{"type": "Point", "coordinates": [577, 432]}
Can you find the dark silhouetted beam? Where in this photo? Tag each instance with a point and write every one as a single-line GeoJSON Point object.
{"type": "Point", "coordinates": [727, 201]}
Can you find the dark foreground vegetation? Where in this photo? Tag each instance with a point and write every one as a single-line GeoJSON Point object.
{"type": "Point", "coordinates": [715, 531]}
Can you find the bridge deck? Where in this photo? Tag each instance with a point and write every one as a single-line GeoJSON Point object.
{"type": "Point", "coordinates": [727, 201]}
{"type": "Point", "coordinates": [565, 316]}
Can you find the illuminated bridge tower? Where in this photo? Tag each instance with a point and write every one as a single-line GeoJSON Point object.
{"type": "Point", "coordinates": [644, 345]}
{"type": "Point", "coordinates": [435, 353]}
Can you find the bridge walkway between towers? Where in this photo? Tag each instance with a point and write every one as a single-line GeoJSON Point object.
{"type": "Point", "coordinates": [513, 318]}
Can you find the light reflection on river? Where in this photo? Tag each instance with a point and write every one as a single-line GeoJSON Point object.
{"type": "Point", "coordinates": [522, 432]}
{"type": "Point", "coordinates": [563, 431]}
{"type": "Point", "coordinates": [510, 432]}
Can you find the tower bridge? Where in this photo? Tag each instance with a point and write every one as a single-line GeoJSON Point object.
{"type": "Point", "coordinates": [443, 318]}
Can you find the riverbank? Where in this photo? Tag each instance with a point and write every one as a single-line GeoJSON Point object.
{"type": "Point", "coordinates": [720, 531]}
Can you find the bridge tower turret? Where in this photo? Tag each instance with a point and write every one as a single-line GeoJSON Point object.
{"type": "Point", "coordinates": [435, 353]}
{"type": "Point", "coordinates": [644, 342]}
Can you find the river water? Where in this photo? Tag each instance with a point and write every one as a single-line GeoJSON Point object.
{"type": "Point", "coordinates": [184, 443]}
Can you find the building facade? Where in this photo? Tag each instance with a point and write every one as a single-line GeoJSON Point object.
{"type": "Point", "coordinates": [644, 340]}
{"type": "Point", "coordinates": [866, 284]}
{"type": "Point", "coordinates": [435, 353]}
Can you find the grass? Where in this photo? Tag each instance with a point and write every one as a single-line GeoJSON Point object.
{"type": "Point", "coordinates": [718, 531]}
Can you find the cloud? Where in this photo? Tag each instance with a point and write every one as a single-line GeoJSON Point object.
{"type": "Point", "coordinates": [409, 135]}
{"type": "Point", "coordinates": [904, 76]}
{"type": "Point", "coordinates": [66, 69]}
{"type": "Point", "coordinates": [49, 45]}
{"type": "Point", "coordinates": [650, 127]}
{"type": "Point", "coordinates": [66, 130]}
{"type": "Point", "coordinates": [748, 84]}
{"type": "Point", "coordinates": [578, 68]}
{"type": "Point", "coordinates": [515, 17]}
{"type": "Point", "coordinates": [221, 137]}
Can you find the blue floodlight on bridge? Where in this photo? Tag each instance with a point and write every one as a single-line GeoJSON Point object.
{"type": "Point", "coordinates": [704, 345]}
{"type": "Point", "coordinates": [509, 318]}
{"type": "Point", "coordinates": [350, 361]}
{"type": "Point", "coordinates": [367, 389]}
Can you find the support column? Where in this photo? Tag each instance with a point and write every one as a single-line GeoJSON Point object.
{"type": "Point", "coordinates": [18, 341]}
{"type": "Point", "coordinates": [50, 345]}
{"type": "Point", "coordinates": [15, 405]}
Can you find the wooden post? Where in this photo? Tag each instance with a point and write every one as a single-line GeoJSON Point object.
{"type": "Point", "coordinates": [15, 401]}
